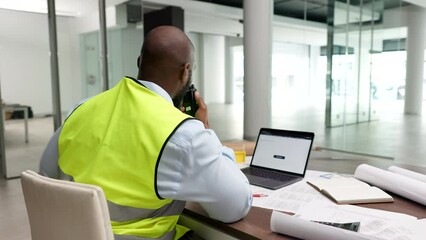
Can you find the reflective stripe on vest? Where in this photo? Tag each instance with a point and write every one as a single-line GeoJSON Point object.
{"type": "Point", "coordinates": [114, 140]}
{"type": "Point", "coordinates": [166, 236]}
{"type": "Point", "coordinates": [120, 213]}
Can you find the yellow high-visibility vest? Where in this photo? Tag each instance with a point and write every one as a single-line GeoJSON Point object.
{"type": "Point", "coordinates": [115, 140]}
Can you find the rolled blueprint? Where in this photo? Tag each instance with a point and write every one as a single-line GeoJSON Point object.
{"type": "Point", "coordinates": [304, 229]}
{"type": "Point", "coordinates": [399, 184]}
{"type": "Point", "coordinates": [408, 173]}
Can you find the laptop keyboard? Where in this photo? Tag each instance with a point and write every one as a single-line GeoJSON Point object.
{"type": "Point", "coordinates": [268, 174]}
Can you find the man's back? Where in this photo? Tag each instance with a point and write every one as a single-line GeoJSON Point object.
{"type": "Point", "coordinates": [145, 153]}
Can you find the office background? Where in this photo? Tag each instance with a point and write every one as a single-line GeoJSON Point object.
{"type": "Point", "coordinates": [351, 71]}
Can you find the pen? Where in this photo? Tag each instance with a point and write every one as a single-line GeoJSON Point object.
{"type": "Point", "coordinates": [259, 195]}
{"type": "Point", "coordinates": [327, 176]}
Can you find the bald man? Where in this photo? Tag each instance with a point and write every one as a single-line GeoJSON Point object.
{"type": "Point", "coordinates": [146, 154]}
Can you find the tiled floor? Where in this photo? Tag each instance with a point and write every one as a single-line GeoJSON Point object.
{"type": "Point", "coordinates": [394, 137]}
{"type": "Point", "coordinates": [19, 154]}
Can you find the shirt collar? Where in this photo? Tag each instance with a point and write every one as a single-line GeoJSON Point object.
{"type": "Point", "coordinates": [157, 89]}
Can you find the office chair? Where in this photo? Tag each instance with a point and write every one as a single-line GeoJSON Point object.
{"type": "Point", "coordinates": [65, 210]}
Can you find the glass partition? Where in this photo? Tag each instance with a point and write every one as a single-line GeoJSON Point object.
{"type": "Point", "coordinates": [26, 89]}
{"type": "Point", "coordinates": [348, 109]}
{"type": "Point", "coordinates": [124, 40]}
{"type": "Point", "coordinates": [299, 68]}
{"type": "Point", "coordinates": [91, 82]}
{"type": "Point", "coordinates": [24, 46]}
{"type": "Point", "coordinates": [355, 40]}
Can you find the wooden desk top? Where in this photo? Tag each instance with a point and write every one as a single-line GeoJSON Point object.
{"type": "Point", "coordinates": [256, 225]}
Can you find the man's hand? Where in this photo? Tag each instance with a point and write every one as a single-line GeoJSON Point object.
{"type": "Point", "coordinates": [201, 113]}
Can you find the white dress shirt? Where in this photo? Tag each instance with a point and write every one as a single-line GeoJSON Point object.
{"type": "Point", "coordinates": [194, 166]}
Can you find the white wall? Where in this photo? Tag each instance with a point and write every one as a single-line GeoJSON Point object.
{"type": "Point", "coordinates": [25, 61]}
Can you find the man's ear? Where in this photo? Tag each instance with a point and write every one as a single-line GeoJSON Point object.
{"type": "Point", "coordinates": [185, 72]}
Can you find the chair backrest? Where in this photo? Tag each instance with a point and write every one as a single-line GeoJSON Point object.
{"type": "Point", "coordinates": [65, 210]}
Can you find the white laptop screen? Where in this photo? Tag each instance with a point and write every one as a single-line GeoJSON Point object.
{"type": "Point", "coordinates": [285, 153]}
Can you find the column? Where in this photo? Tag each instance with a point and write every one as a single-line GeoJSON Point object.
{"type": "Point", "coordinates": [230, 43]}
{"type": "Point", "coordinates": [200, 84]}
{"type": "Point", "coordinates": [213, 68]}
{"type": "Point", "coordinates": [257, 65]}
{"type": "Point", "coordinates": [416, 36]}
{"type": "Point", "coordinates": [229, 72]}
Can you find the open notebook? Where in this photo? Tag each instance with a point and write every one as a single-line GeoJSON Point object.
{"type": "Point", "coordinates": [280, 158]}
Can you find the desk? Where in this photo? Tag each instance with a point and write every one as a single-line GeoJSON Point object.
{"type": "Point", "coordinates": [18, 108]}
{"type": "Point", "coordinates": [256, 225]}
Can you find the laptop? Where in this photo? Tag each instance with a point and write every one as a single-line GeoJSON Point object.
{"type": "Point", "coordinates": [280, 158]}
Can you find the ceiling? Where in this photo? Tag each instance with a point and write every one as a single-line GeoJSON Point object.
{"type": "Point", "coordinates": [316, 10]}
{"type": "Point", "coordinates": [68, 8]}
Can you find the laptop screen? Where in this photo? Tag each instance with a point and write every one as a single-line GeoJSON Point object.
{"type": "Point", "coordinates": [283, 150]}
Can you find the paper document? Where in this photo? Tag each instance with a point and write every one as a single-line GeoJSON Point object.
{"type": "Point", "coordinates": [408, 173]}
{"type": "Point", "coordinates": [291, 198]}
{"type": "Point", "coordinates": [374, 223]}
{"type": "Point", "coordinates": [304, 229]}
{"type": "Point", "coordinates": [402, 185]}
{"type": "Point", "coordinates": [349, 190]}
{"type": "Point", "coordinates": [310, 205]}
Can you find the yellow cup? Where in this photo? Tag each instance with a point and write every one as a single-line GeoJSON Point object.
{"type": "Point", "coordinates": [239, 151]}
{"type": "Point", "coordinates": [240, 156]}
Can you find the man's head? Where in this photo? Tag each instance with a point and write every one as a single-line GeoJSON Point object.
{"type": "Point", "coordinates": [167, 59]}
